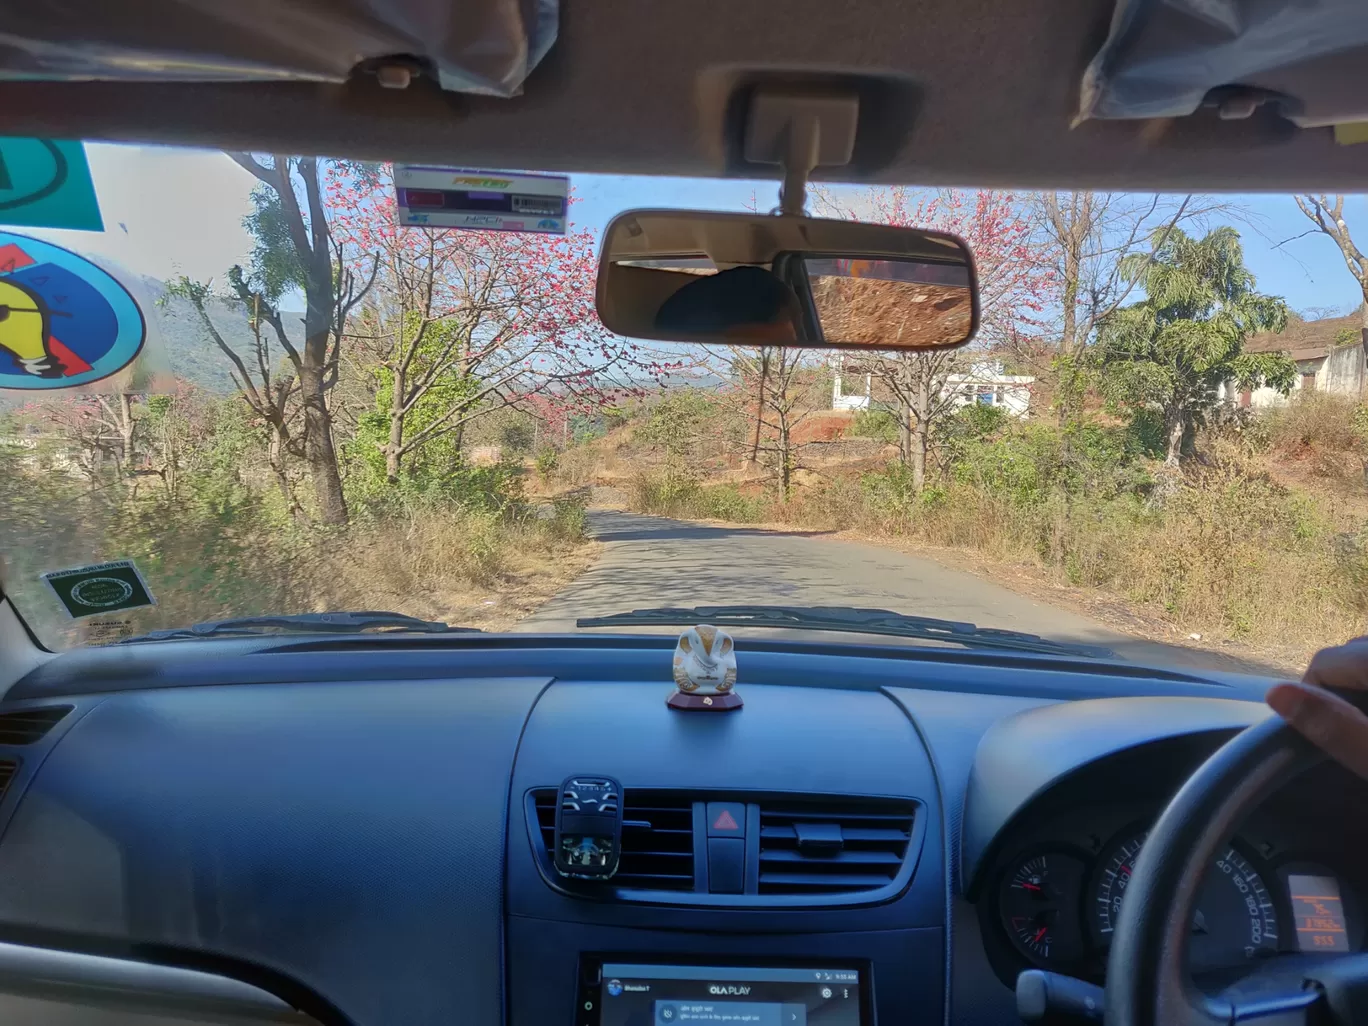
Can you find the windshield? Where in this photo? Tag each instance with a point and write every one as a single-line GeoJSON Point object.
{"type": "Point", "coordinates": [234, 386]}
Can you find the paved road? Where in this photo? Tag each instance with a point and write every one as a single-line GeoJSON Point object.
{"type": "Point", "coordinates": [651, 561]}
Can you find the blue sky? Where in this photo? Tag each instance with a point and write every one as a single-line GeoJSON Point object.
{"type": "Point", "coordinates": [169, 212]}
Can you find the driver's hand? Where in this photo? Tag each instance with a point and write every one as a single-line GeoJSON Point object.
{"type": "Point", "coordinates": [1327, 720]}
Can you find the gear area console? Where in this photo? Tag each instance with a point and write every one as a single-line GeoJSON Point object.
{"type": "Point", "coordinates": [629, 992]}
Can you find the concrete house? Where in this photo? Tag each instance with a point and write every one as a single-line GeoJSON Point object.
{"type": "Point", "coordinates": [1329, 354]}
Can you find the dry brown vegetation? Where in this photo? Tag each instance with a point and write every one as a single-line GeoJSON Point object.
{"type": "Point", "coordinates": [222, 547]}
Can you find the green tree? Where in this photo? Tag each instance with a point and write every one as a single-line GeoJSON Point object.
{"type": "Point", "coordinates": [1171, 352]}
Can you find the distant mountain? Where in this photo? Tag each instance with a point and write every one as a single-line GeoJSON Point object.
{"type": "Point", "coordinates": [188, 351]}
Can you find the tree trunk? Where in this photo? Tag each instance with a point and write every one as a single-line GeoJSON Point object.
{"type": "Point", "coordinates": [275, 456]}
{"type": "Point", "coordinates": [126, 431]}
{"type": "Point", "coordinates": [785, 459]}
{"type": "Point", "coordinates": [1068, 336]}
{"type": "Point", "coordinates": [318, 444]}
{"type": "Point", "coordinates": [394, 450]}
{"type": "Point", "coordinates": [1174, 423]}
{"type": "Point", "coordinates": [906, 420]}
{"type": "Point", "coordinates": [1363, 346]}
{"type": "Point", "coordinates": [759, 407]}
{"type": "Point", "coordinates": [922, 436]}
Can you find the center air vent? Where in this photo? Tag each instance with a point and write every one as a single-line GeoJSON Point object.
{"type": "Point", "coordinates": [811, 849]}
{"type": "Point", "coordinates": [657, 839]}
{"type": "Point", "coordinates": [25, 726]}
{"type": "Point", "coordinates": [7, 771]}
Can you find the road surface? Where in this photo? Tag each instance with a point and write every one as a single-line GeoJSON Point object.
{"type": "Point", "coordinates": [652, 561]}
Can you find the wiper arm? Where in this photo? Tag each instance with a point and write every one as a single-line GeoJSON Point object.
{"type": "Point", "coordinates": [315, 623]}
{"type": "Point", "coordinates": [844, 618]}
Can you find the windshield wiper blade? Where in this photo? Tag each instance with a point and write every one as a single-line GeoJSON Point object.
{"type": "Point", "coordinates": [853, 620]}
{"type": "Point", "coordinates": [315, 623]}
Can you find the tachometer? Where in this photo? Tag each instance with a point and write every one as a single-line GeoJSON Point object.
{"type": "Point", "coordinates": [1235, 918]}
{"type": "Point", "coordinates": [1040, 907]}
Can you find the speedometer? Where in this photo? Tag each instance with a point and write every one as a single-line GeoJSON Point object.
{"type": "Point", "coordinates": [1235, 919]}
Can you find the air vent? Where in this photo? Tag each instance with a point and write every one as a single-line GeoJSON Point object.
{"type": "Point", "coordinates": [657, 839]}
{"type": "Point", "coordinates": [25, 726]}
{"type": "Point", "coordinates": [810, 849]}
{"type": "Point", "coordinates": [7, 771]}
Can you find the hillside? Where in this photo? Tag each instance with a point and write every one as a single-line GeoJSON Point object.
{"type": "Point", "coordinates": [188, 350]}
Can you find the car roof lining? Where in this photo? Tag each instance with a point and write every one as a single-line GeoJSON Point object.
{"type": "Point", "coordinates": [979, 92]}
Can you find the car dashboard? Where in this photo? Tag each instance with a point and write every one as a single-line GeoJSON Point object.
{"type": "Point", "coordinates": [358, 830]}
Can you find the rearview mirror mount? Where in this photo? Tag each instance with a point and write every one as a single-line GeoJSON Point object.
{"type": "Point", "coordinates": [753, 279]}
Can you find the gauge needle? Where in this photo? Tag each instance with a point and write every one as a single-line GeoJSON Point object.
{"type": "Point", "coordinates": [1040, 933]}
{"type": "Point", "coordinates": [1031, 887]}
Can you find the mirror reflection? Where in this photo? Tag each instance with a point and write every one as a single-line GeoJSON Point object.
{"type": "Point", "coordinates": [745, 279]}
{"type": "Point", "coordinates": [891, 303]}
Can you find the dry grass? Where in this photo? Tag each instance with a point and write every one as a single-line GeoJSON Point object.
{"type": "Point", "coordinates": [469, 570]}
{"type": "Point", "coordinates": [457, 565]}
{"type": "Point", "coordinates": [1315, 422]}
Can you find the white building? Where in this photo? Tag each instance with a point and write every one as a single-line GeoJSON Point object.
{"type": "Point", "coordinates": [983, 383]}
{"type": "Point", "coordinates": [839, 399]}
{"type": "Point", "coordinates": [986, 383]}
{"type": "Point", "coordinates": [1329, 355]}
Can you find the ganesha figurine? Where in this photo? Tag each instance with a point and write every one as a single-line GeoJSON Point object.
{"type": "Point", "coordinates": [705, 671]}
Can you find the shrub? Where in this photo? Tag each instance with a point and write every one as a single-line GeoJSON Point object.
{"type": "Point", "coordinates": [678, 421]}
{"type": "Point", "coordinates": [546, 461]}
{"type": "Point", "coordinates": [1317, 421]}
{"type": "Point", "coordinates": [670, 492]}
{"type": "Point", "coordinates": [889, 496]}
{"type": "Point", "coordinates": [569, 517]}
{"type": "Point", "coordinates": [728, 502]}
{"type": "Point", "coordinates": [877, 423]}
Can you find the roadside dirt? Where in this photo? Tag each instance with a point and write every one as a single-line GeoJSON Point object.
{"type": "Point", "coordinates": [526, 583]}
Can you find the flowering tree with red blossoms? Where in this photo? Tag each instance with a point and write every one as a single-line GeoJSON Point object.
{"type": "Point", "coordinates": [462, 323]}
{"type": "Point", "coordinates": [1015, 287]}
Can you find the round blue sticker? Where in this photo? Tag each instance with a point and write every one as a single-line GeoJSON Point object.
{"type": "Point", "coordinates": [64, 321]}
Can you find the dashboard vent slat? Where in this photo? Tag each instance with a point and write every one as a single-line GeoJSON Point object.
{"type": "Point", "coordinates": [806, 848]}
{"type": "Point", "coordinates": [25, 726]}
{"type": "Point", "coordinates": [657, 840]}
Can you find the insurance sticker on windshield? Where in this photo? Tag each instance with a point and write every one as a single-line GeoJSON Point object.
{"type": "Point", "coordinates": [100, 589]}
{"type": "Point", "coordinates": [498, 201]}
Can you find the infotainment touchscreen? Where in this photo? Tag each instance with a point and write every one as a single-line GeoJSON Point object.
{"type": "Point", "coordinates": [654, 994]}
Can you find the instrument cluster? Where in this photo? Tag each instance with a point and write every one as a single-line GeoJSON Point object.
{"type": "Point", "coordinates": [1057, 903]}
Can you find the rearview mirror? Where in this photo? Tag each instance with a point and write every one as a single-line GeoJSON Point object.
{"type": "Point", "coordinates": [755, 279]}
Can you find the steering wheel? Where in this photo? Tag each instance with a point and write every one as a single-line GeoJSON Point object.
{"type": "Point", "coordinates": [1147, 977]}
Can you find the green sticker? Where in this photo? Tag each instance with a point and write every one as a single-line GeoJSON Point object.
{"type": "Point", "coordinates": [45, 183]}
{"type": "Point", "coordinates": [100, 589]}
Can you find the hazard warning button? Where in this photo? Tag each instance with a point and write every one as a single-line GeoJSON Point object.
{"type": "Point", "coordinates": [726, 819]}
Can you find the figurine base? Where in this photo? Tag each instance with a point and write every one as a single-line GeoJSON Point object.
{"type": "Point", "coordinates": [704, 703]}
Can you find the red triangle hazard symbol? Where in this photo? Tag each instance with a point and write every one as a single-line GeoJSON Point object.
{"type": "Point", "coordinates": [725, 821]}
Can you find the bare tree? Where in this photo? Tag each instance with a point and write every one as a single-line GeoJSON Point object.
{"type": "Point", "coordinates": [919, 384]}
{"type": "Point", "coordinates": [793, 390]}
{"type": "Point", "coordinates": [115, 418]}
{"type": "Point", "coordinates": [269, 385]}
{"type": "Point", "coordinates": [295, 250]}
{"type": "Point", "coordinates": [1327, 214]}
{"type": "Point", "coordinates": [1013, 285]}
{"type": "Point", "coordinates": [761, 375]}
